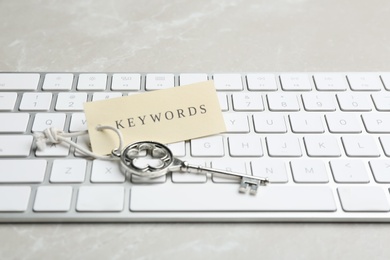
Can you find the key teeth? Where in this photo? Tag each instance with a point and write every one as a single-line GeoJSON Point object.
{"type": "Point", "coordinates": [248, 183]}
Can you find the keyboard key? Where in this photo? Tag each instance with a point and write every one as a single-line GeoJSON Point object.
{"type": "Point", "coordinates": [78, 122]}
{"type": "Point", "coordinates": [184, 177]}
{"type": "Point", "coordinates": [322, 146]}
{"type": "Point", "coordinates": [363, 199]}
{"type": "Point", "coordinates": [319, 102]}
{"type": "Point", "coordinates": [22, 171]}
{"type": "Point", "coordinates": [126, 82]}
{"type": "Point", "coordinates": [309, 171]}
{"type": "Point", "coordinates": [385, 142]}
{"type": "Point", "coordinates": [92, 81]}
{"type": "Point", "coordinates": [261, 82]}
{"type": "Point", "coordinates": [295, 82]}
{"type": "Point", "coordinates": [137, 179]}
{"type": "Point", "coordinates": [348, 171]}
{"type": "Point", "coordinates": [377, 122]}
{"type": "Point", "coordinates": [283, 146]}
{"type": "Point", "coordinates": [274, 170]}
{"type": "Point", "coordinates": [230, 166]}
{"type": "Point", "coordinates": [53, 199]}
{"type": "Point", "coordinates": [7, 100]}
{"type": "Point", "coordinates": [228, 82]}
{"type": "Point", "coordinates": [46, 120]}
{"type": "Point", "coordinates": [222, 98]}
{"type": "Point", "coordinates": [381, 101]}
{"type": "Point", "coordinates": [100, 199]}
{"type": "Point", "coordinates": [381, 170]}
{"type": "Point", "coordinates": [107, 172]}
{"type": "Point", "coordinates": [36, 101]}
{"type": "Point", "coordinates": [105, 95]}
{"type": "Point", "coordinates": [360, 146]}
{"type": "Point", "coordinates": [343, 123]}
{"type": "Point", "coordinates": [283, 102]}
{"type": "Point", "coordinates": [68, 171]}
{"type": "Point", "coordinates": [247, 102]}
{"type": "Point", "coordinates": [58, 81]}
{"type": "Point", "coordinates": [15, 145]}
{"type": "Point", "coordinates": [14, 198]}
{"type": "Point", "coordinates": [178, 149]}
{"type": "Point", "coordinates": [364, 81]}
{"type": "Point", "coordinates": [19, 81]}
{"type": "Point", "coordinates": [386, 80]}
{"type": "Point", "coordinates": [269, 123]}
{"type": "Point", "coordinates": [13, 122]}
{"type": "Point", "coordinates": [191, 78]}
{"type": "Point", "coordinates": [236, 123]}
{"type": "Point", "coordinates": [354, 102]}
{"type": "Point", "coordinates": [245, 145]}
{"type": "Point", "coordinates": [68, 101]}
{"type": "Point", "coordinates": [224, 197]}
{"type": "Point", "coordinates": [306, 123]}
{"type": "Point", "coordinates": [159, 81]}
{"type": "Point", "coordinates": [207, 146]}
{"type": "Point", "coordinates": [330, 81]}
{"type": "Point", "coordinates": [54, 150]}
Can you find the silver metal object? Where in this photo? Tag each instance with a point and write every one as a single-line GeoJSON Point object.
{"type": "Point", "coordinates": [149, 159]}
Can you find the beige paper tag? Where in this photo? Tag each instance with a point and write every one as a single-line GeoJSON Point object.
{"type": "Point", "coordinates": [165, 116]}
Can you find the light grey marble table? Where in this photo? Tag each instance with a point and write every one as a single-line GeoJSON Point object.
{"type": "Point", "coordinates": [194, 36]}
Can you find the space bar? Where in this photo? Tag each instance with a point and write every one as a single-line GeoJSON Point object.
{"type": "Point", "coordinates": [225, 197]}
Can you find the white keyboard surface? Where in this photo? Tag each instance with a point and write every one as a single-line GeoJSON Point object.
{"type": "Point", "coordinates": [322, 139]}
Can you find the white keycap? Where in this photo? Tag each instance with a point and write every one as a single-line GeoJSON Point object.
{"type": "Point", "coordinates": [105, 95]}
{"type": "Point", "coordinates": [245, 145]}
{"type": "Point", "coordinates": [381, 100]}
{"type": "Point", "coordinates": [184, 177]}
{"type": "Point", "coordinates": [137, 179]}
{"type": "Point", "coordinates": [54, 150]}
{"type": "Point", "coordinates": [363, 199]}
{"type": "Point", "coordinates": [46, 120]}
{"type": "Point", "coordinates": [377, 122]}
{"type": "Point", "coordinates": [15, 145]}
{"type": "Point", "coordinates": [236, 123]}
{"type": "Point", "coordinates": [19, 81]}
{"type": "Point", "coordinates": [354, 101]}
{"type": "Point", "coordinates": [36, 101]}
{"type": "Point", "coordinates": [68, 171]}
{"type": "Point", "coordinates": [306, 123]}
{"type": "Point", "coordinates": [96, 81]}
{"type": "Point", "coordinates": [343, 123]}
{"type": "Point", "coordinates": [349, 171]}
{"type": "Point", "coordinates": [207, 146]}
{"type": "Point", "coordinates": [362, 145]}
{"type": "Point", "coordinates": [274, 170]}
{"type": "Point", "coordinates": [261, 82]}
{"type": "Point", "coordinates": [22, 171]}
{"type": "Point", "coordinates": [126, 81]}
{"type": "Point", "coordinates": [385, 141]}
{"type": "Point", "coordinates": [364, 81]}
{"type": "Point", "coordinates": [107, 171]}
{"type": "Point", "coordinates": [159, 81]}
{"type": "Point", "coordinates": [283, 146]}
{"type": "Point", "coordinates": [330, 81]}
{"type": "Point", "coordinates": [224, 197]}
{"type": "Point", "coordinates": [53, 199]}
{"type": "Point", "coordinates": [178, 149]}
{"type": "Point", "coordinates": [68, 101]}
{"type": "Point", "coordinates": [319, 101]}
{"type": "Point", "coordinates": [191, 78]}
{"type": "Point", "coordinates": [247, 102]}
{"type": "Point", "coordinates": [266, 122]}
{"type": "Point", "coordinates": [231, 166]}
{"type": "Point", "coordinates": [84, 142]}
{"type": "Point", "coordinates": [13, 122]}
{"type": "Point", "coordinates": [295, 82]}
{"type": "Point", "coordinates": [283, 102]}
{"type": "Point", "coordinates": [227, 82]}
{"type": "Point", "coordinates": [14, 198]}
{"type": "Point", "coordinates": [58, 81]}
{"type": "Point", "coordinates": [100, 198]}
{"type": "Point", "coordinates": [78, 122]}
{"type": "Point", "coordinates": [322, 146]}
{"type": "Point", "coordinates": [7, 100]}
{"type": "Point", "coordinates": [222, 98]}
{"type": "Point", "coordinates": [386, 80]}
{"type": "Point", "coordinates": [309, 171]}
{"type": "Point", "coordinates": [381, 170]}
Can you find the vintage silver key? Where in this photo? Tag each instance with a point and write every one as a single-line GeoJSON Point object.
{"type": "Point", "coordinates": [151, 160]}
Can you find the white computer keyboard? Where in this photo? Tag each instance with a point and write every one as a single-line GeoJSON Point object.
{"type": "Point", "coordinates": [322, 139]}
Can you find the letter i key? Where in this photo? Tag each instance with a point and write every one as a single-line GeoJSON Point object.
{"type": "Point", "coordinates": [151, 160]}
